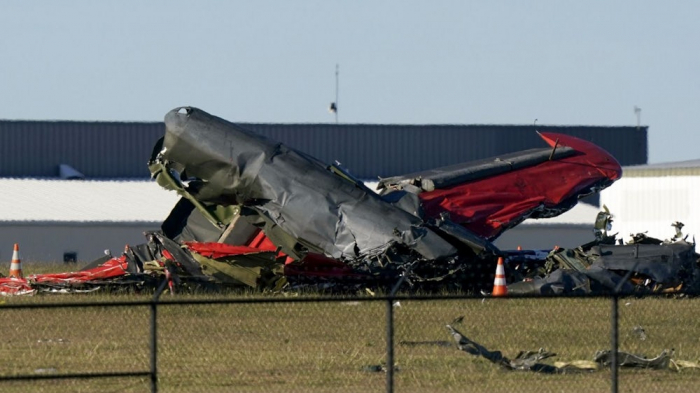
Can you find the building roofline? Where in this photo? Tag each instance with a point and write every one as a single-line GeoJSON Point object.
{"type": "Point", "coordinates": [340, 125]}
{"type": "Point", "coordinates": [78, 223]}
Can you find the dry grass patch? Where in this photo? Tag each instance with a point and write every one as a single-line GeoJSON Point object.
{"type": "Point", "coordinates": [324, 347]}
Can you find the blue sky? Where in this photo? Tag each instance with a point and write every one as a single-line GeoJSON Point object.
{"type": "Point", "coordinates": [466, 62]}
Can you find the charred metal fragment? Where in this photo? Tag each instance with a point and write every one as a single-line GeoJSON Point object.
{"type": "Point", "coordinates": [524, 361]}
{"type": "Point", "coordinates": [626, 359]}
{"type": "Point", "coordinates": [644, 265]}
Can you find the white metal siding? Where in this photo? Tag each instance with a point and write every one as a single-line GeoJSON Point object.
{"type": "Point", "coordinates": [84, 200]}
{"type": "Point", "coordinates": [652, 204]}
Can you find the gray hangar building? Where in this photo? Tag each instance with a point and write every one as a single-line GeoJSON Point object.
{"type": "Point", "coordinates": [72, 189]}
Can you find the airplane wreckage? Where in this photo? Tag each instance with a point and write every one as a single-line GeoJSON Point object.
{"type": "Point", "coordinates": [255, 213]}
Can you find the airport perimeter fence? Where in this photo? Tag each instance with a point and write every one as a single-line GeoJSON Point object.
{"type": "Point", "coordinates": [245, 343]}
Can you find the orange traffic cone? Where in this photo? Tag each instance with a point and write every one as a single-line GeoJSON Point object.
{"type": "Point", "coordinates": [499, 283]}
{"type": "Point", "coordinates": [16, 264]}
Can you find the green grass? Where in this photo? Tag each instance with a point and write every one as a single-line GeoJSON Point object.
{"type": "Point", "coordinates": [323, 347]}
{"type": "Point", "coordinates": [43, 267]}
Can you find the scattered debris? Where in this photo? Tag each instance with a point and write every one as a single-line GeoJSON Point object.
{"type": "Point", "coordinates": [577, 366]}
{"type": "Point", "coordinates": [457, 320]}
{"type": "Point", "coordinates": [531, 360]}
{"type": "Point", "coordinates": [255, 213]}
{"type": "Point", "coordinates": [10, 286]}
{"type": "Point", "coordinates": [436, 227]}
{"type": "Point", "coordinates": [378, 368]}
{"type": "Point", "coordinates": [680, 365]}
{"type": "Point", "coordinates": [644, 265]}
{"type": "Point", "coordinates": [624, 359]}
{"type": "Point", "coordinates": [639, 332]}
{"type": "Point", "coordinates": [524, 361]}
{"type": "Point", "coordinates": [48, 370]}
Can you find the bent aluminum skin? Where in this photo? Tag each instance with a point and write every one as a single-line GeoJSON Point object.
{"type": "Point", "coordinates": [324, 211]}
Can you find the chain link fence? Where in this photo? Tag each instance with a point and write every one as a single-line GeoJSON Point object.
{"type": "Point", "coordinates": [317, 344]}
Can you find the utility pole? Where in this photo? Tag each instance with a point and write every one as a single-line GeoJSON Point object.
{"type": "Point", "coordinates": [334, 105]}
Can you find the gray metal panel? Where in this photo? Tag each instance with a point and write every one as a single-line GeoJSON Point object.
{"type": "Point", "coordinates": [388, 150]}
{"type": "Point", "coordinates": [121, 150]}
{"type": "Point", "coordinates": [97, 149]}
{"type": "Point", "coordinates": [40, 242]}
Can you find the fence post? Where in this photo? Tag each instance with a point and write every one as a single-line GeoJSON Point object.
{"type": "Point", "coordinates": [389, 345]}
{"type": "Point", "coordinates": [614, 320]}
{"type": "Point", "coordinates": [614, 344]}
{"type": "Point", "coordinates": [154, 336]}
{"type": "Point", "coordinates": [390, 332]}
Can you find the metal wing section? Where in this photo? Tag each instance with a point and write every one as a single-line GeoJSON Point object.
{"type": "Point", "coordinates": [489, 198]}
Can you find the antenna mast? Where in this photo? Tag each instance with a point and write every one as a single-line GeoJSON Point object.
{"type": "Point", "coordinates": [337, 72]}
{"type": "Point", "coordinates": [334, 105]}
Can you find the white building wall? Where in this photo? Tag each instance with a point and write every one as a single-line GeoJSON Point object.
{"type": "Point", "coordinates": [652, 204]}
{"type": "Point", "coordinates": [48, 242]}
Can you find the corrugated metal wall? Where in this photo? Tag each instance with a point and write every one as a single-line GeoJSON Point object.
{"type": "Point", "coordinates": [97, 149]}
{"type": "Point", "coordinates": [121, 150]}
{"type": "Point", "coordinates": [388, 150]}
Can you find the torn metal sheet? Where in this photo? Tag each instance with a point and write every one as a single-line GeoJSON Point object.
{"type": "Point", "coordinates": [325, 212]}
{"type": "Point", "coordinates": [10, 286]}
{"type": "Point", "coordinates": [670, 264]}
{"type": "Point", "coordinates": [605, 266]}
{"type": "Point", "coordinates": [539, 189]}
{"type": "Point", "coordinates": [557, 283]}
{"type": "Point", "coordinates": [680, 365]}
{"type": "Point", "coordinates": [531, 360]}
{"type": "Point", "coordinates": [252, 268]}
{"type": "Point", "coordinates": [428, 226]}
{"type": "Point", "coordinates": [300, 219]}
{"type": "Point", "coordinates": [104, 273]}
{"type": "Point", "coordinates": [625, 359]}
{"type": "Point", "coordinates": [524, 361]}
